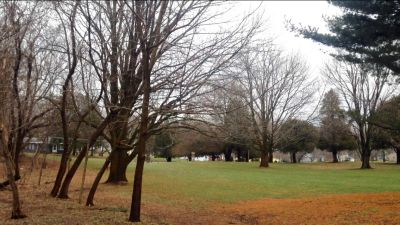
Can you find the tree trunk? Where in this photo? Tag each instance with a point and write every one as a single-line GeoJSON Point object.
{"type": "Point", "coordinates": [293, 156]}
{"type": "Point", "coordinates": [71, 173]}
{"type": "Point", "coordinates": [398, 156]}
{"type": "Point", "coordinates": [119, 164]}
{"type": "Point", "coordinates": [228, 154]}
{"type": "Point", "coordinates": [169, 159]}
{"type": "Point", "coordinates": [60, 174]}
{"type": "Point", "coordinates": [92, 192]}
{"type": "Point", "coordinates": [134, 215]}
{"type": "Point", "coordinates": [334, 156]}
{"type": "Point", "coordinates": [264, 159]}
{"type": "Point", "coordinates": [270, 156]}
{"type": "Point", "coordinates": [18, 148]}
{"type": "Point", "coordinates": [365, 157]}
{"type": "Point", "coordinates": [16, 207]}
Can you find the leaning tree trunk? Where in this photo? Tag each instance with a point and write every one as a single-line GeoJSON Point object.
{"type": "Point", "coordinates": [118, 166]}
{"type": "Point", "coordinates": [71, 173]}
{"type": "Point", "coordinates": [134, 215]}
{"type": "Point", "coordinates": [293, 156]}
{"type": "Point", "coordinates": [334, 156]}
{"type": "Point", "coordinates": [264, 159]}
{"type": "Point", "coordinates": [92, 192]}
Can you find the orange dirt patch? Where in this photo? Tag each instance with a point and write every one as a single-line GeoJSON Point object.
{"type": "Point", "coordinates": [365, 209]}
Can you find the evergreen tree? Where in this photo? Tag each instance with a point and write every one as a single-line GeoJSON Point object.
{"type": "Point", "coordinates": [297, 136]}
{"type": "Point", "coordinates": [368, 31]}
{"type": "Point", "coordinates": [335, 134]}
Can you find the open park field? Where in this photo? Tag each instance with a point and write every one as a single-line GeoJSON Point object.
{"type": "Point", "coordinates": [184, 192]}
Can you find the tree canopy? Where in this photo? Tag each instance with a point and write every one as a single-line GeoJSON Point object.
{"type": "Point", "coordinates": [367, 31]}
{"type": "Point", "coordinates": [296, 136]}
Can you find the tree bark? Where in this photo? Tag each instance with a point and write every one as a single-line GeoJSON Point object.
{"type": "Point", "coordinates": [334, 156]}
{"type": "Point", "coordinates": [270, 156]}
{"type": "Point", "coordinates": [293, 156]}
{"type": "Point", "coordinates": [397, 150]}
{"type": "Point", "coordinates": [92, 192]}
{"type": "Point", "coordinates": [63, 112]}
{"type": "Point", "coordinates": [365, 156]}
{"type": "Point", "coordinates": [264, 159]}
{"type": "Point", "coordinates": [119, 164]}
{"type": "Point", "coordinates": [134, 215]}
{"type": "Point", "coordinates": [16, 207]}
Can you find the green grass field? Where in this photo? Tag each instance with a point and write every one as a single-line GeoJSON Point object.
{"type": "Point", "coordinates": [183, 182]}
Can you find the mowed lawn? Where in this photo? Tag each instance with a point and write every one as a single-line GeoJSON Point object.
{"type": "Point", "coordinates": [196, 183]}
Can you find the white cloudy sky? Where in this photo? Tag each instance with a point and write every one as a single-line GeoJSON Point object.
{"type": "Point", "coordinates": [275, 13]}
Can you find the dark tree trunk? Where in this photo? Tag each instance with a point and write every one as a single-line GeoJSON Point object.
{"type": "Point", "coordinates": [92, 192]}
{"type": "Point", "coordinates": [270, 156]}
{"type": "Point", "coordinates": [16, 206]}
{"type": "Point", "coordinates": [228, 154]}
{"type": "Point", "coordinates": [334, 156]}
{"type": "Point", "coordinates": [134, 215]}
{"type": "Point", "coordinates": [18, 148]}
{"type": "Point", "coordinates": [264, 159]}
{"type": "Point", "coordinates": [293, 157]}
{"type": "Point", "coordinates": [398, 156]}
{"type": "Point", "coordinates": [365, 157]}
{"type": "Point", "coordinates": [239, 155]}
{"type": "Point", "coordinates": [119, 164]}
{"type": "Point", "coordinates": [190, 158]}
{"type": "Point", "coordinates": [169, 159]}
{"type": "Point", "coordinates": [63, 112]}
{"type": "Point", "coordinates": [60, 174]}
{"type": "Point", "coordinates": [71, 173]}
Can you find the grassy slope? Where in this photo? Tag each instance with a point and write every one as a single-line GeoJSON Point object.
{"type": "Point", "coordinates": [195, 183]}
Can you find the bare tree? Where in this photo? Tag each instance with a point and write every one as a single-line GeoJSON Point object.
{"type": "Point", "coordinates": [31, 75]}
{"type": "Point", "coordinates": [276, 89]}
{"type": "Point", "coordinates": [363, 88]}
{"type": "Point", "coordinates": [6, 61]}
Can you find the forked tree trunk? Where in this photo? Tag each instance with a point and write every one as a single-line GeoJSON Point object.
{"type": "Point", "coordinates": [16, 207]}
{"type": "Point", "coordinates": [293, 156]}
{"type": "Point", "coordinates": [264, 159]}
{"type": "Point", "coordinates": [119, 164]}
{"type": "Point", "coordinates": [334, 156]}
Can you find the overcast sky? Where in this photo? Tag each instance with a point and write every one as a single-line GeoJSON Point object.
{"type": "Point", "coordinates": [275, 15]}
{"type": "Point", "coordinates": [299, 12]}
